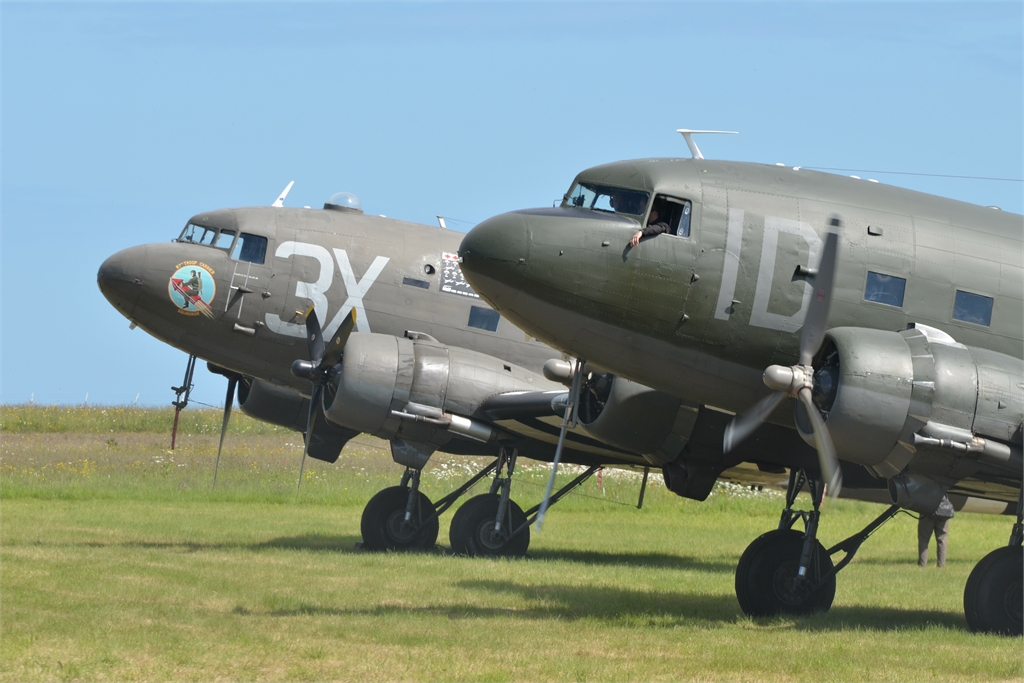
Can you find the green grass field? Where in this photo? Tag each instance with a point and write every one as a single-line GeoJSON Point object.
{"type": "Point", "coordinates": [120, 562]}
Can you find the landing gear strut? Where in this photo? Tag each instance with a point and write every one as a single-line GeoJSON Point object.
{"type": "Point", "coordinates": [400, 517]}
{"type": "Point", "coordinates": [492, 525]}
{"type": "Point", "coordinates": [786, 572]}
{"type": "Point", "coordinates": [994, 594]}
{"type": "Point", "coordinates": [403, 518]}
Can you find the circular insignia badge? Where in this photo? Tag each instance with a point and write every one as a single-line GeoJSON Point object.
{"type": "Point", "coordinates": [192, 289]}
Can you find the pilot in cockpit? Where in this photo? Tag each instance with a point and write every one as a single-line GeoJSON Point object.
{"type": "Point", "coordinates": [655, 226]}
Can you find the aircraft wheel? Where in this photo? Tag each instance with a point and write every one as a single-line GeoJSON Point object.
{"type": "Point", "coordinates": [383, 524]}
{"type": "Point", "coordinates": [472, 529]}
{"type": "Point", "coordinates": [766, 580]}
{"type": "Point", "coordinates": [994, 594]}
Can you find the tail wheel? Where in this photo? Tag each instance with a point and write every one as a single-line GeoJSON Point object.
{"type": "Point", "coordinates": [994, 594]}
{"type": "Point", "coordinates": [766, 577]}
{"type": "Point", "coordinates": [384, 526]}
{"type": "Point", "coordinates": [472, 530]}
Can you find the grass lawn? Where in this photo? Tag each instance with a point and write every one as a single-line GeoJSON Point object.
{"type": "Point", "coordinates": [119, 562]}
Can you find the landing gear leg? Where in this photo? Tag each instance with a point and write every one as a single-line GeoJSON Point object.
{"type": "Point", "coordinates": [400, 517]}
{"type": "Point", "coordinates": [994, 594]}
{"type": "Point", "coordinates": [784, 571]}
{"type": "Point", "coordinates": [492, 524]}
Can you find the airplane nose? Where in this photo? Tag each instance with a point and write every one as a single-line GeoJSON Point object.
{"type": "Point", "coordinates": [494, 256]}
{"type": "Point", "coordinates": [120, 278]}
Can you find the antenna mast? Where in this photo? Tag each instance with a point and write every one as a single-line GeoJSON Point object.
{"type": "Point", "coordinates": [688, 136]}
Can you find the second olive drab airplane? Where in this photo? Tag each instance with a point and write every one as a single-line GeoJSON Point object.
{"type": "Point", "coordinates": [372, 319]}
{"type": "Point", "coordinates": [891, 319]}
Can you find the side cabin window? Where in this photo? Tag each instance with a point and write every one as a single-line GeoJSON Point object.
{"type": "Point", "coordinates": [483, 318]}
{"type": "Point", "coordinates": [972, 308]}
{"type": "Point", "coordinates": [251, 248]}
{"type": "Point", "coordinates": [675, 212]}
{"type": "Point", "coordinates": [885, 289]}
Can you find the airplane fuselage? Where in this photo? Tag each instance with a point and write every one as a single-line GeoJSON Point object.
{"type": "Point", "coordinates": [703, 315]}
{"type": "Point", "coordinates": [248, 316]}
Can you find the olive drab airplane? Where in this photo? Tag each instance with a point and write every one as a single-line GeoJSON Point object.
{"type": "Point", "coordinates": [333, 322]}
{"type": "Point", "coordinates": [890, 319]}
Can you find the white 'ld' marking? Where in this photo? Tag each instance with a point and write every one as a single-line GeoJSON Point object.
{"type": "Point", "coordinates": [759, 315]}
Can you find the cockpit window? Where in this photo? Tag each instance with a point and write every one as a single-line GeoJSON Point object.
{"type": "Point", "coordinates": [211, 237]}
{"type": "Point", "coordinates": [224, 239]}
{"type": "Point", "coordinates": [251, 248]}
{"type": "Point", "coordinates": [610, 199]}
{"type": "Point", "coordinates": [198, 234]}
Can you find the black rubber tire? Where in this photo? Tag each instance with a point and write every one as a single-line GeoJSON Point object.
{"type": "Point", "coordinates": [994, 594]}
{"type": "Point", "coordinates": [472, 529]}
{"type": "Point", "coordinates": [765, 570]}
{"type": "Point", "coordinates": [383, 519]}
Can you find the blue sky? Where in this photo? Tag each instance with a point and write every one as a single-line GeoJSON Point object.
{"type": "Point", "coordinates": [122, 120]}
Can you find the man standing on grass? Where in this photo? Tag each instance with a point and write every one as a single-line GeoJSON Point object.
{"type": "Point", "coordinates": [937, 523]}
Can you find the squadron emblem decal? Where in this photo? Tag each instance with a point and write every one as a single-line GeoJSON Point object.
{"type": "Point", "coordinates": [192, 288]}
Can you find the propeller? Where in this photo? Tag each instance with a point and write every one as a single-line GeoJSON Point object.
{"type": "Point", "coordinates": [229, 402]}
{"type": "Point", "coordinates": [322, 359]}
{"type": "Point", "coordinates": [569, 420]}
{"type": "Point", "coordinates": [797, 381]}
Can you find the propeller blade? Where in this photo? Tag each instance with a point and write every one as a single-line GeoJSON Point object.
{"type": "Point", "coordinates": [337, 346]}
{"type": "Point", "coordinates": [744, 425]}
{"type": "Point", "coordinates": [310, 426]}
{"type": "Point", "coordinates": [229, 401]}
{"type": "Point", "coordinates": [831, 473]}
{"type": "Point", "coordinates": [821, 296]}
{"type": "Point", "coordinates": [547, 492]}
{"type": "Point", "coordinates": [314, 336]}
{"type": "Point", "coordinates": [570, 416]}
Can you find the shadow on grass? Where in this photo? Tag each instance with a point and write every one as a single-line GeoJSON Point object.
{"type": "Point", "coordinates": [651, 560]}
{"type": "Point", "coordinates": [638, 607]}
{"type": "Point", "coordinates": [338, 544]}
{"type": "Point", "coordinates": [551, 602]}
{"type": "Point", "coordinates": [880, 619]}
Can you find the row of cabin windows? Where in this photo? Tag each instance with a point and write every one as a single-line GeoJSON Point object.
{"type": "Point", "coordinates": [967, 307]}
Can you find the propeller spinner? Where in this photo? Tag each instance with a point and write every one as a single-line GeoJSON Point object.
{"type": "Point", "coordinates": [797, 381]}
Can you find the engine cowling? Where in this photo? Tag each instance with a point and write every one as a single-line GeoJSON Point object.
{"type": "Point", "coordinates": [381, 373]}
{"type": "Point", "coordinates": [882, 392]}
{"type": "Point", "coordinates": [635, 417]}
{"type": "Point", "coordinates": [288, 408]}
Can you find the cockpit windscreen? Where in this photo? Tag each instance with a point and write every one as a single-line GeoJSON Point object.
{"type": "Point", "coordinates": [605, 198]}
{"type": "Point", "coordinates": [211, 237]}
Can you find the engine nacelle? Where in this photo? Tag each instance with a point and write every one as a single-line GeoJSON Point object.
{"type": "Point", "coordinates": [635, 418]}
{"type": "Point", "coordinates": [879, 389]}
{"type": "Point", "coordinates": [288, 408]}
{"type": "Point", "coordinates": [268, 402]}
{"type": "Point", "coordinates": [381, 373]}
